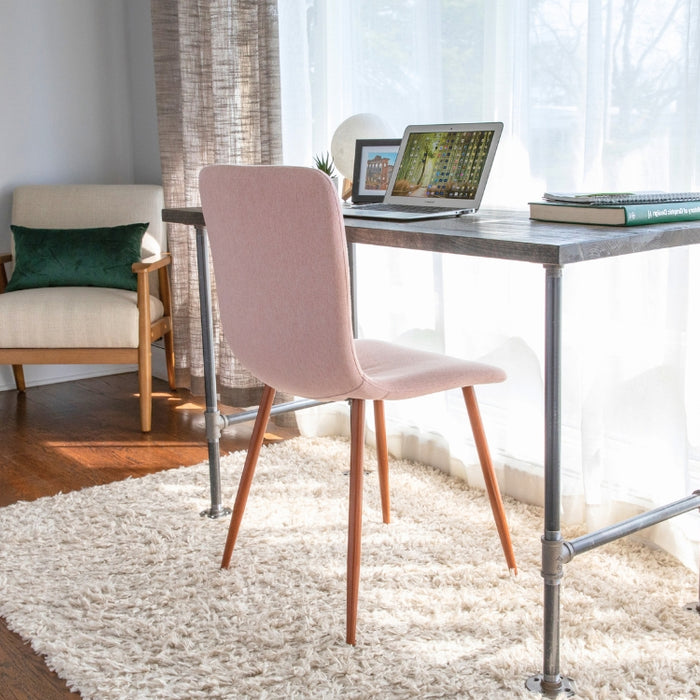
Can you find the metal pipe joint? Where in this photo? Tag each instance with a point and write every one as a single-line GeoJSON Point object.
{"type": "Point", "coordinates": [552, 561]}
{"type": "Point", "coordinates": [214, 424]}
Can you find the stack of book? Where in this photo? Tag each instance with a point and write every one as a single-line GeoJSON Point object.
{"type": "Point", "coordinates": [617, 209]}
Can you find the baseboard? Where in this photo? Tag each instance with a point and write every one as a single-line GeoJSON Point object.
{"type": "Point", "coordinates": [38, 375]}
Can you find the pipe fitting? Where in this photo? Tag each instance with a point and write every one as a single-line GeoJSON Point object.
{"type": "Point", "coordinates": [552, 561]}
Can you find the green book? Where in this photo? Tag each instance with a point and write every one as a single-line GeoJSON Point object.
{"type": "Point", "coordinates": [616, 214]}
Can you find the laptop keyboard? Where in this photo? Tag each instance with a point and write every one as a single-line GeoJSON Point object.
{"type": "Point", "coordinates": [409, 208]}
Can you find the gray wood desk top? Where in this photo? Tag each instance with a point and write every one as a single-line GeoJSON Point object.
{"type": "Point", "coordinates": [504, 234]}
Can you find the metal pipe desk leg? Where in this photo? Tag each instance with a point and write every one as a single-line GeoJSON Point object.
{"type": "Point", "coordinates": [212, 418]}
{"type": "Point", "coordinates": [694, 606]}
{"type": "Point", "coordinates": [551, 683]}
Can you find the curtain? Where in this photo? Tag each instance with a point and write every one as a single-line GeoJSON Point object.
{"type": "Point", "coordinates": [598, 95]}
{"type": "Point", "coordinates": [218, 94]}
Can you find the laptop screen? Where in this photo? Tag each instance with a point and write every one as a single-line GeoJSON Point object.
{"type": "Point", "coordinates": [445, 165]}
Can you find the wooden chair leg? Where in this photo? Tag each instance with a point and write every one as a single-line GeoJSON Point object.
{"type": "Point", "coordinates": [18, 371]}
{"type": "Point", "coordinates": [145, 399]}
{"type": "Point", "coordinates": [169, 344]}
{"type": "Point", "coordinates": [382, 459]}
{"type": "Point", "coordinates": [489, 475]}
{"type": "Point", "coordinates": [357, 441]}
{"type": "Point", "coordinates": [168, 338]}
{"type": "Point", "coordinates": [145, 358]}
{"type": "Point", "coordinates": [251, 460]}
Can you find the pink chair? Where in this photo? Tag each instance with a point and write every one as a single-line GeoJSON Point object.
{"type": "Point", "coordinates": [280, 258]}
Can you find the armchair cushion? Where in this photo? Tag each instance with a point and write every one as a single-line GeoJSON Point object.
{"type": "Point", "coordinates": [91, 257]}
{"type": "Point", "coordinates": [72, 317]}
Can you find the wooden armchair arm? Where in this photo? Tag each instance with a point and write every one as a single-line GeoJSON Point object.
{"type": "Point", "coordinates": [159, 264]}
{"type": "Point", "coordinates": [153, 263]}
{"type": "Point", "coordinates": [4, 259]}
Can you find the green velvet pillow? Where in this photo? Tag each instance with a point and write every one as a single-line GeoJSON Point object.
{"type": "Point", "coordinates": [95, 257]}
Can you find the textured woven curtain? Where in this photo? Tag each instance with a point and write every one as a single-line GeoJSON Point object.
{"type": "Point", "coordinates": [218, 93]}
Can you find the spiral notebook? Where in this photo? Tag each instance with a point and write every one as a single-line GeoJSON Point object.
{"type": "Point", "coordinates": [621, 198]}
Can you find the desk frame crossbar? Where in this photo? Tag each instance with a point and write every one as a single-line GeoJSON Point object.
{"type": "Point", "coordinates": [585, 543]}
{"type": "Point", "coordinates": [278, 409]}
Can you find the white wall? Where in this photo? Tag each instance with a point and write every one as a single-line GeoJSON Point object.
{"type": "Point", "coordinates": [78, 106]}
{"type": "Point", "coordinates": [142, 92]}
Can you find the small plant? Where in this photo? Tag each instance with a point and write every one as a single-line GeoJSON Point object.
{"type": "Point", "coordinates": [324, 163]}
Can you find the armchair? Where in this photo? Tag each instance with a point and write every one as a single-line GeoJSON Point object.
{"type": "Point", "coordinates": [70, 318]}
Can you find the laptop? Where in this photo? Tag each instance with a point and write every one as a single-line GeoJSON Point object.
{"type": "Point", "coordinates": [440, 171]}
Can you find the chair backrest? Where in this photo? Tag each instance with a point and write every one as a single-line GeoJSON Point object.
{"type": "Point", "coordinates": [281, 267]}
{"type": "Point", "coordinates": [91, 206]}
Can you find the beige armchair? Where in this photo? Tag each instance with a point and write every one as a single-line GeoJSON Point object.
{"type": "Point", "coordinates": [52, 308]}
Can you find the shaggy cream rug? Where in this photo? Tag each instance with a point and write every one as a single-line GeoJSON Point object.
{"type": "Point", "coordinates": [118, 586]}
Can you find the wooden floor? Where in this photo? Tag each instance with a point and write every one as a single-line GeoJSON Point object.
{"type": "Point", "coordinates": [63, 437]}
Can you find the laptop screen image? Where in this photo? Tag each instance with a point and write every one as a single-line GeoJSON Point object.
{"type": "Point", "coordinates": [445, 164]}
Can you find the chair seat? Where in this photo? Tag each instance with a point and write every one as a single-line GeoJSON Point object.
{"type": "Point", "coordinates": [398, 372]}
{"type": "Point", "coordinates": [72, 317]}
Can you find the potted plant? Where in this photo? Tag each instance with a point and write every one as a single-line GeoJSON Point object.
{"type": "Point", "coordinates": [324, 162]}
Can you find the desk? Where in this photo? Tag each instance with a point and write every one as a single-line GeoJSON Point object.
{"type": "Point", "coordinates": [511, 235]}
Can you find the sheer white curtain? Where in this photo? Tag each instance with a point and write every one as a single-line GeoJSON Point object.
{"type": "Point", "coordinates": [595, 94]}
